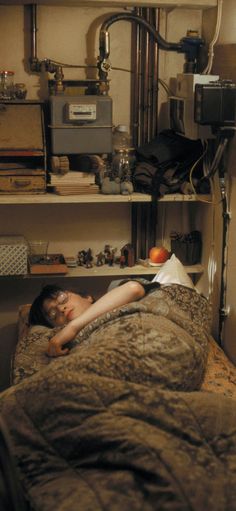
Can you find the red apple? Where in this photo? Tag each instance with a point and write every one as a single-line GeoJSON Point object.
{"type": "Point", "coordinates": [158, 255]}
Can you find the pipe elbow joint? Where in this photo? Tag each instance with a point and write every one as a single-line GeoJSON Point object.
{"type": "Point", "coordinates": [35, 65]}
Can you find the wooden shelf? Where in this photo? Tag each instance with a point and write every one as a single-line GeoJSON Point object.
{"type": "Point", "coordinates": [106, 271]}
{"type": "Point", "coordinates": [111, 271]}
{"type": "Point", "coordinates": [50, 198]}
{"type": "Point", "coordinates": [192, 4]}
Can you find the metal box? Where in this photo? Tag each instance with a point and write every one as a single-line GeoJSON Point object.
{"type": "Point", "coordinates": [181, 106]}
{"type": "Point", "coordinates": [80, 124]}
{"type": "Point", "coordinates": [13, 255]}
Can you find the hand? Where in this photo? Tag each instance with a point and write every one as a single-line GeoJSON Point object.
{"type": "Point", "coordinates": [55, 349]}
{"type": "Point", "coordinates": [56, 343]}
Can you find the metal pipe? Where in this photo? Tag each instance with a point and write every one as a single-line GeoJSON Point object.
{"type": "Point", "coordinates": [154, 79]}
{"type": "Point", "coordinates": [146, 57]}
{"type": "Point", "coordinates": [33, 20]}
{"type": "Point", "coordinates": [144, 97]}
{"type": "Point", "coordinates": [164, 45]}
{"type": "Point", "coordinates": [34, 31]}
{"type": "Point", "coordinates": [188, 45]}
{"type": "Point", "coordinates": [37, 65]}
{"type": "Point", "coordinates": [142, 84]}
{"type": "Point", "coordinates": [134, 110]}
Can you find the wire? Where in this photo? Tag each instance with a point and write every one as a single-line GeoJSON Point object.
{"type": "Point", "coordinates": [211, 261]}
{"type": "Point", "coordinates": [208, 68]}
{"type": "Point", "coordinates": [165, 87]}
{"type": "Point", "coordinates": [208, 176]}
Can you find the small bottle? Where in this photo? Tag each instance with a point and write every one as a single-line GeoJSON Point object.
{"type": "Point", "coordinates": [123, 159]}
{"type": "Point", "coordinates": [121, 138]}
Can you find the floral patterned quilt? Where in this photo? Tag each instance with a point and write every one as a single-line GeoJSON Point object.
{"type": "Point", "coordinates": [121, 424]}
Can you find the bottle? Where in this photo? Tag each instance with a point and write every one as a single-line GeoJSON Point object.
{"type": "Point", "coordinates": [123, 159]}
{"type": "Point", "coordinates": [121, 167]}
{"type": "Point", "coordinates": [121, 138]}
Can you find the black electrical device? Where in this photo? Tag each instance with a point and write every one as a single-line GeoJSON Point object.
{"type": "Point", "coordinates": [215, 103]}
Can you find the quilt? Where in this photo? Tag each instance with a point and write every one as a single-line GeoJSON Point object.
{"type": "Point", "coordinates": [120, 423]}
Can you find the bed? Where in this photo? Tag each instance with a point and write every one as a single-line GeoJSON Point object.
{"type": "Point", "coordinates": [139, 416]}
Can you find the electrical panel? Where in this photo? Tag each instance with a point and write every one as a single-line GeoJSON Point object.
{"type": "Point", "coordinates": [215, 103]}
{"type": "Point", "coordinates": [182, 106]}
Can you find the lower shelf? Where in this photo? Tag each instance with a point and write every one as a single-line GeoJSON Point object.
{"type": "Point", "coordinates": [138, 269]}
{"type": "Point", "coordinates": [107, 271]}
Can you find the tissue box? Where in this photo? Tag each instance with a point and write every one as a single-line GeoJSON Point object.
{"type": "Point", "coordinates": [13, 255]}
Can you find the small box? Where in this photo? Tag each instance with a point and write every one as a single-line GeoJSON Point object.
{"type": "Point", "coordinates": [51, 263]}
{"type": "Point", "coordinates": [13, 255]}
{"type": "Point", "coordinates": [22, 181]}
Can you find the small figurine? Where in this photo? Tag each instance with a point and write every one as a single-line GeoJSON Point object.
{"type": "Point", "coordinates": [88, 259]}
{"type": "Point", "coordinates": [122, 261]}
{"type": "Point", "coordinates": [81, 258]}
{"type": "Point", "coordinates": [128, 253]}
{"type": "Point", "coordinates": [100, 259]}
{"type": "Point", "coordinates": [85, 258]}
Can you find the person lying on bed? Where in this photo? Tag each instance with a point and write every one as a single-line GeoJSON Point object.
{"type": "Point", "coordinates": [57, 307]}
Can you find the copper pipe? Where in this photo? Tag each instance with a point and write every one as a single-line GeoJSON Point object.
{"type": "Point", "coordinates": [34, 29]}
{"type": "Point", "coordinates": [135, 85]}
{"type": "Point", "coordinates": [144, 82]}
{"type": "Point", "coordinates": [153, 73]}
{"type": "Point", "coordinates": [146, 57]}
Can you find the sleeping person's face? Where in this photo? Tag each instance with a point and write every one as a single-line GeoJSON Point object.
{"type": "Point", "coordinates": [64, 307]}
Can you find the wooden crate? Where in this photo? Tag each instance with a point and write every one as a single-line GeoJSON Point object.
{"type": "Point", "coordinates": [23, 152]}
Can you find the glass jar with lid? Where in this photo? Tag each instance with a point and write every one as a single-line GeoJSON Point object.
{"type": "Point", "coordinates": [6, 84]}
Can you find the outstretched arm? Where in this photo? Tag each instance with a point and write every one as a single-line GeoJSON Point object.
{"type": "Point", "coordinates": [126, 293]}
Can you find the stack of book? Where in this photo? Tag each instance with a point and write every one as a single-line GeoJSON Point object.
{"type": "Point", "coordinates": [74, 183]}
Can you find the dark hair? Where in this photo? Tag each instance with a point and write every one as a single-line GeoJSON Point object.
{"type": "Point", "coordinates": [37, 314]}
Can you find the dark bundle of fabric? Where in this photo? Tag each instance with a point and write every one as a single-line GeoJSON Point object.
{"type": "Point", "coordinates": [164, 165]}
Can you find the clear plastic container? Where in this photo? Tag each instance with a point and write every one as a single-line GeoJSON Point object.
{"type": "Point", "coordinates": [121, 138]}
{"type": "Point", "coordinates": [122, 165]}
{"type": "Point", "coordinates": [6, 84]}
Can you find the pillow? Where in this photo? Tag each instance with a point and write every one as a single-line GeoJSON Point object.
{"type": "Point", "coordinates": [30, 355]}
{"type": "Point", "coordinates": [23, 320]}
{"type": "Point", "coordinates": [173, 272]}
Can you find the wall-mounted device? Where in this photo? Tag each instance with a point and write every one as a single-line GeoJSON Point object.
{"type": "Point", "coordinates": [182, 106]}
{"type": "Point", "coordinates": [80, 124]}
{"type": "Point", "coordinates": [215, 104]}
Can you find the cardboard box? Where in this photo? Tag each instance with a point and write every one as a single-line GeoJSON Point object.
{"type": "Point", "coordinates": [13, 255]}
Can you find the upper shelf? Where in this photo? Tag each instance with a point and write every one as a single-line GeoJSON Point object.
{"type": "Point", "coordinates": [51, 198]}
{"type": "Point", "coordinates": [193, 4]}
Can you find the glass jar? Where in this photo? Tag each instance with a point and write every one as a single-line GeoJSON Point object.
{"type": "Point", "coordinates": [121, 137]}
{"type": "Point", "coordinates": [20, 91]}
{"type": "Point", "coordinates": [6, 84]}
{"type": "Point", "coordinates": [122, 163]}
